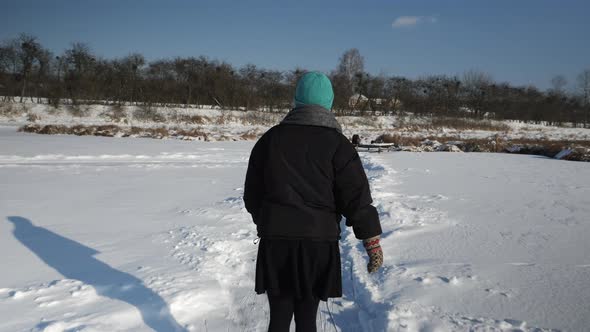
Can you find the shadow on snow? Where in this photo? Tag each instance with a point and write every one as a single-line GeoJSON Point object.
{"type": "Point", "coordinates": [75, 261]}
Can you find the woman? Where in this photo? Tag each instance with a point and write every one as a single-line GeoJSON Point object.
{"type": "Point", "coordinates": [303, 176]}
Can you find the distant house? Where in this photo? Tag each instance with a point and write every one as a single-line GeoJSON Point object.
{"type": "Point", "coordinates": [379, 101]}
{"type": "Point", "coordinates": [359, 101]}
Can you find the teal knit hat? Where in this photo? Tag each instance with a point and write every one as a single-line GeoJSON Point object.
{"type": "Point", "coordinates": [314, 88]}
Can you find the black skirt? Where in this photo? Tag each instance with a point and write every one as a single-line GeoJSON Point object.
{"type": "Point", "coordinates": [299, 268]}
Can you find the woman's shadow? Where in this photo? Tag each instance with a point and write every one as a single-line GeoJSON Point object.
{"type": "Point", "coordinates": [75, 261]}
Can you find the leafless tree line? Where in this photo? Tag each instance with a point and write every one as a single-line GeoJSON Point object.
{"type": "Point", "coordinates": [28, 70]}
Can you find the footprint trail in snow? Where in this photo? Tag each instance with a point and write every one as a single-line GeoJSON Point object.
{"type": "Point", "coordinates": [386, 301]}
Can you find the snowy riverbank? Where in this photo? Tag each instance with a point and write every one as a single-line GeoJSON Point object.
{"type": "Point", "coordinates": [213, 124]}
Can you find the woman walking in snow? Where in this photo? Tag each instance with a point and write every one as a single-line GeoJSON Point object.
{"type": "Point", "coordinates": [303, 176]}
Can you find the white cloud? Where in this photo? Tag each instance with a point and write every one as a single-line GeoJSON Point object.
{"type": "Point", "coordinates": [410, 21]}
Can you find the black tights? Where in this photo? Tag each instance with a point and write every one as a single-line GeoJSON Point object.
{"type": "Point", "coordinates": [282, 309]}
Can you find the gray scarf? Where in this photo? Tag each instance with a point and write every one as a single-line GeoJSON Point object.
{"type": "Point", "coordinates": [312, 115]}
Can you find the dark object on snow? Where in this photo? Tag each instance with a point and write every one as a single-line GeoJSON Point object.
{"type": "Point", "coordinates": [377, 147]}
{"type": "Point", "coordinates": [302, 178]}
{"type": "Point", "coordinates": [303, 175]}
{"type": "Point", "coordinates": [378, 140]}
{"type": "Point", "coordinates": [356, 140]}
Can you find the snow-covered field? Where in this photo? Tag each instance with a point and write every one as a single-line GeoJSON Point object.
{"type": "Point", "coordinates": [123, 234]}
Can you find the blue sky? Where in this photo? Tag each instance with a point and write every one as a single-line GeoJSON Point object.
{"type": "Point", "coordinates": [518, 41]}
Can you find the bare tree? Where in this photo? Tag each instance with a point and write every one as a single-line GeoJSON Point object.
{"type": "Point", "coordinates": [476, 86]}
{"type": "Point", "coordinates": [351, 66]}
{"type": "Point", "coordinates": [584, 87]}
{"type": "Point", "coordinates": [251, 76]}
{"type": "Point", "coordinates": [42, 72]}
{"type": "Point", "coordinates": [396, 90]}
{"type": "Point", "coordinates": [135, 62]}
{"type": "Point", "coordinates": [79, 65]}
{"type": "Point", "coordinates": [558, 83]}
{"type": "Point", "coordinates": [340, 85]}
{"type": "Point", "coordinates": [476, 78]}
{"type": "Point", "coordinates": [293, 76]}
{"type": "Point", "coordinates": [28, 53]}
{"type": "Point", "coordinates": [8, 67]}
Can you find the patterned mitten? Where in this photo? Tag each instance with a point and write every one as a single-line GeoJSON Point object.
{"type": "Point", "coordinates": [375, 253]}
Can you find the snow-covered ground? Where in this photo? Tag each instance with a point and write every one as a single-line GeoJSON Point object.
{"type": "Point", "coordinates": [122, 234]}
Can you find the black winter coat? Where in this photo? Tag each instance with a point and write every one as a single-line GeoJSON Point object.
{"type": "Point", "coordinates": [301, 179]}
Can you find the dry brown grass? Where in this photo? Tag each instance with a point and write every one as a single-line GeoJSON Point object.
{"type": "Point", "coordinates": [458, 124]}
{"type": "Point", "coordinates": [148, 113]}
{"type": "Point", "coordinates": [249, 135]}
{"type": "Point", "coordinates": [8, 109]}
{"type": "Point", "coordinates": [12, 109]}
{"type": "Point", "coordinates": [53, 130]}
{"type": "Point", "coordinates": [103, 130]}
{"type": "Point", "coordinates": [225, 118]}
{"type": "Point", "coordinates": [29, 128]}
{"type": "Point", "coordinates": [193, 119]}
{"type": "Point", "coordinates": [528, 146]}
{"type": "Point", "coordinates": [159, 132]}
{"type": "Point", "coordinates": [543, 147]}
{"type": "Point", "coordinates": [467, 124]}
{"type": "Point", "coordinates": [115, 113]}
{"type": "Point", "coordinates": [472, 144]}
{"type": "Point", "coordinates": [194, 132]}
{"type": "Point", "coordinates": [547, 148]}
{"type": "Point", "coordinates": [260, 118]}
{"type": "Point", "coordinates": [82, 130]}
{"type": "Point", "coordinates": [106, 130]}
{"type": "Point", "coordinates": [359, 121]}
{"type": "Point", "coordinates": [572, 142]}
{"type": "Point", "coordinates": [399, 140]}
{"type": "Point", "coordinates": [78, 110]}
{"type": "Point", "coordinates": [32, 117]}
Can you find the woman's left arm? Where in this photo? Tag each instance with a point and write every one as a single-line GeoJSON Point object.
{"type": "Point", "coordinates": [254, 184]}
